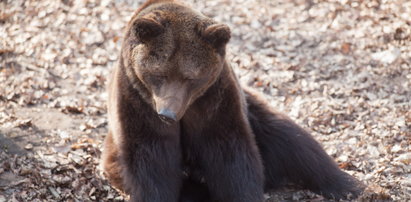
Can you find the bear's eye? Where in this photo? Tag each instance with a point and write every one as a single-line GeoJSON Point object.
{"type": "Point", "coordinates": [153, 54]}
{"type": "Point", "coordinates": [189, 79]}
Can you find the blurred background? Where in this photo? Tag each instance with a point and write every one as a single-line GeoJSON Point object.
{"type": "Point", "coordinates": [340, 68]}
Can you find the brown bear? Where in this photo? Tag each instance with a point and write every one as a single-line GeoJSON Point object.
{"type": "Point", "coordinates": [182, 129]}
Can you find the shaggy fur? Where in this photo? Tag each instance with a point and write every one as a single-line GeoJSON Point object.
{"type": "Point", "coordinates": [182, 129]}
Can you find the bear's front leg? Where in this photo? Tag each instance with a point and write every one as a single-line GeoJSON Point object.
{"type": "Point", "coordinates": [232, 168]}
{"type": "Point", "coordinates": [110, 162]}
{"type": "Point", "coordinates": [222, 145]}
{"type": "Point", "coordinates": [149, 151]}
{"type": "Point", "coordinates": [152, 168]}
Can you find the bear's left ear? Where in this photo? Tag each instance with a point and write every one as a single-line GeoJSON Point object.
{"type": "Point", "coordinates": [217, 35]}
{"type": "Point", "coordinates": [147, 28]}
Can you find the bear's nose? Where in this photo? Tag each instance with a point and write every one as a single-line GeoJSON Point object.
{"type": "Point", "coordinates": [167, 116]}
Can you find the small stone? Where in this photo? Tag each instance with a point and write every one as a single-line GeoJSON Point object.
{"type": "Point", "coordinates": [28, 146]}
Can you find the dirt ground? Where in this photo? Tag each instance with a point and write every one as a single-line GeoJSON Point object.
{"type": "Point", "coordinates": [340, 68]}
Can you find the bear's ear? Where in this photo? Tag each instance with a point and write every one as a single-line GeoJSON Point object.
{"type": "Point", "coordinates": [217, 35]}
{"type": "Point", "coordinates": [147, 28]}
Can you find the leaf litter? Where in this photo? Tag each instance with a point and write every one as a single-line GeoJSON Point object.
{"type": "Point", "coordinates": [341, 69]}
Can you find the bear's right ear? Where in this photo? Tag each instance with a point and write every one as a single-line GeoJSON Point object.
{"type": "Point", "coordinates": [217, 35]}
{"type": "Point", "coordinates": [147, 28]}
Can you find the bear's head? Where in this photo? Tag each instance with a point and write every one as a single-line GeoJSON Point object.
{"type": "Point", "coordinates": [176, 55]}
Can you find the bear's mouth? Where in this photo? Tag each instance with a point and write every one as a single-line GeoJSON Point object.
{"type": "Point", "coordinates": [167, 116]}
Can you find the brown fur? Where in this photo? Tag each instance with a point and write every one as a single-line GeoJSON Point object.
{"type": "Point", "coordinates": [182, 129]}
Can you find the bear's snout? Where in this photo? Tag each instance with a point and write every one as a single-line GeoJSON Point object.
{"type": "Point", "coordinates": [167, 116]}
